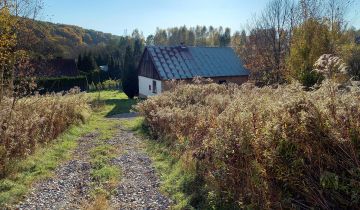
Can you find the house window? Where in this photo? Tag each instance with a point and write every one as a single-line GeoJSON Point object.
{"type": "Point", "coordinates": [149, 87]}
{"type": "Point", "coordinates": [154, 86]}
{"type": "Point", "coordinates": [222, 82]}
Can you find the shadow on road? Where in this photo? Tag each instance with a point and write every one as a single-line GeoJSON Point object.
{"type": "Point", "coordinates": [122, 106]}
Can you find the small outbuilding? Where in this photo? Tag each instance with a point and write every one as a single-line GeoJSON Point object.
{"type": "Point", "coordinates": [160, 64]}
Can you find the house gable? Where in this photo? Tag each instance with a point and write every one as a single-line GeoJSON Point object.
{"type": "Point", "coordinates": [146, 67]}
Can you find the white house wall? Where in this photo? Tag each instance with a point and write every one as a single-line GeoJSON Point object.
{"type": "Point", "coordinates": [144, 84]}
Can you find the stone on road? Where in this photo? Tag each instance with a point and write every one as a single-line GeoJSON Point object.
{"type": "Point", "coordinates": [139, 188]}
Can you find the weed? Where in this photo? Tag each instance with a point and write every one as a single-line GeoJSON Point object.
{"type": "Point", "coordinates": [258, 147]}
{"type": "Point", "coordinates": [22, 172]}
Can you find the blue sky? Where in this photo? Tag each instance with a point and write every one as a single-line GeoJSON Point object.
{"type": "Point", "coordinates": [119, 16]}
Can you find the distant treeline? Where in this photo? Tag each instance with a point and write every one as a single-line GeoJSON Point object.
{"type": "Point", "coordinates": [192, 36]}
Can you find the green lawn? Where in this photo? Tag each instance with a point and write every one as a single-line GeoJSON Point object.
{"type": "Point", "coordinates": [113, 102]}
{"type": "Point", "coordinates": [42, 163]}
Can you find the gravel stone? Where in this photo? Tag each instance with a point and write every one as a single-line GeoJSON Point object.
{"type": "Point", "coordinates": [139, 188]}
{"type": "Point", "coordinates": [69, 188]}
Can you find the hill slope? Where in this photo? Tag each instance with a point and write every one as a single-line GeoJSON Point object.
{"type": "Point", "coordinates": [52, 40]}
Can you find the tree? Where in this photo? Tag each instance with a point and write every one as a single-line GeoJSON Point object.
{"type": "Point", "coordinates": [238, 42]}
{"type": "Point", "coordinates": [161, 37]}
{"type": "Point", "coordinates": [225, 38]}
{"type": "Point", "coordinates": [258, 57]}
{"type": "Point", "coordinates": [310, 9]}
{"type": "Point", "coordinates": [130, 83]}
{"type": "Point", "coordinates": [351, 55]}
{"type": "Point", "coordinates": [13, 56]}
{"type": "Point", "coordinates": [79, 62]}
{"type": "Point", "coordinates": [7, 44]}
{"type": "Point", "coordinates": [149, 40]}
{"type": "Point", "coordinates": [191, 38]}
{"type": "Point", "coordinates": [335, 12]}
{"type": "Point", "coordinates": [138, 49]}
{"type": "Point", "coordinates": [310, 41]}
{"type": "Point", "coordinates": [267, 47]}
{"type": "Point", "coordinates": [87, 63]}
{"type": "Point", "coordinates": [114, 68]}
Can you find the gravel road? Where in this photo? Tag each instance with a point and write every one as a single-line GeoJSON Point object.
{"type": "Point", "coordinates": [139, 188]}
{"type": "Point", "coordinates": [71, 185]}
{"type": "Point", "coordinates": [69, 188]}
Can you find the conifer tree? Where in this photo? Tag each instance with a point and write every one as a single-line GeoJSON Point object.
{"type": "Point", "coordinates": [130, 82]}
{"type": "Point", "coordinates": [79, 63]}
{"type": "Point", "coordinates": [88, 63]}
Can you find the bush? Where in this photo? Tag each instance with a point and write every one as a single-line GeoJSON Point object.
{"type": "Point", "coordinates": [262, 147]}
{"type": "Point", "coordinates": [58, 84]}
{"type": "Point", "coordinates": [354, 63]}
{"type": "Point", "coordinates": [34, 121]}
{"type": "Point", "coordinates": [106, 85]}
{"type": "Point", "coordinates": [310, 78]}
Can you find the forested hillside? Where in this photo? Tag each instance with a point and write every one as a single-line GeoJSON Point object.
{"type": "Point", "coordinates": [60, 40]}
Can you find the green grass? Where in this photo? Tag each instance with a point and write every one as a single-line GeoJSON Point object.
{"type": "Point", "coordinates": [42, 163]}
{"type": "Point", "coordinates": [114, 102]}
{"type": "Point", "coordinates": [106, 174]}
{"type": "Point", "coordinates": [135, 124]}
{"type": "Point", "coordinates": [102, 171]}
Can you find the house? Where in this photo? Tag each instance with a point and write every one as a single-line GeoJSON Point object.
{"type": "Point", "coordinates": [160, 64]}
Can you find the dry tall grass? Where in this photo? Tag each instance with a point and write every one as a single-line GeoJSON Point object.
{"type": "Point", "coordinates": [265, 147]}
{"type": "Point", "coordinates": [32, 121]}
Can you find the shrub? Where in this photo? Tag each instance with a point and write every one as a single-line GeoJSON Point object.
{"type": "Point", "coordinates": [34, 121]}
{"type": "Point", "coordinates": [264, 147]}
{"type": "Point", "coordinates": [106, 85]}
{"type": "Point", "coordinates": [354, 63]}
{"type": "Point", "coordinates": [58, 84]}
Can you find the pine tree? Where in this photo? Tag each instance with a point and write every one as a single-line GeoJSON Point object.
{"type": "Point", "coordinates": [88, 63]}
{"type": "Point", "coordinates": [117, 69]}
{"type": "Point", "coordinates": [80, 63]}
{"type": "Point", "coordinates": [130, 81]}
{"type": "Point", "coordinates": [138, 45]}
{"type": "Point", "coordinates": [225, 38]}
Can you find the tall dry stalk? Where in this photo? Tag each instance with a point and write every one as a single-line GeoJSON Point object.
{"type": "Point", "coordinates": [265, 147]}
